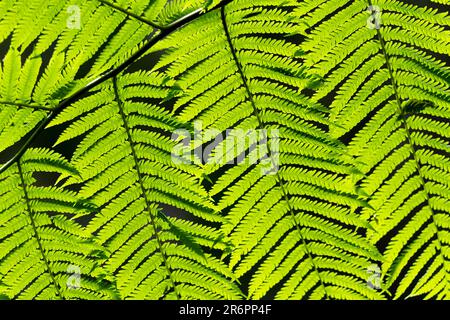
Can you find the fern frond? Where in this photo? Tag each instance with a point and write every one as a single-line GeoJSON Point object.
{"type": "Point", "coordinates": [125, 161]}
{"type": "Point", "coordinates": [44, 254]}
{"type": "Point", "coordinates": [390, 98]}
{"type": "Point", "coordinates": [289, 209]}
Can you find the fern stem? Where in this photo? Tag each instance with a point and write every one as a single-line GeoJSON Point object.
{"type": "Point", "coordinates": [131, 14]}
{"type": "Point", "coordinates": [261, 126]}
{"type": "Point", "coordinates": [141, 184]}
{"type": "Point", "coordinates": [25, 105]}
{"type": "Point", "coordinates": [406, 128]}
{"type": "Point", "coordinates": [36, 234]}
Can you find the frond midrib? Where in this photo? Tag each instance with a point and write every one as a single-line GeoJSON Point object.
{"type": "Point", "coordinates": [141, 184]}
{"type": "Point", "coordinates": [26, 105]}
{"type": "Point", "coordinates": [35, 231]}
{"type": "Point", "coordinates": [407, 130]}
{"type": "Point", "coordinates": [261, 126]}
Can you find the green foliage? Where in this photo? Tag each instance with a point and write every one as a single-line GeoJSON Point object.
{"type": "Point", "coordinates": [390, 95]}
{"type": "Point", "coordinates": [44, 254]}
{"type": "Point", "coordinates": [129, 174]}
{"type": "Point", "coordinates": [335, 158]}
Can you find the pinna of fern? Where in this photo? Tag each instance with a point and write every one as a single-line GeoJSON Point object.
{"type": "Point", "coordinates": [389, 87]}
{"type": "Point", "coordinates": [43, 253]}
{"type": "Point", "coordinates": [289, 214]}
{"type": "Point", "coordinates": [125, 161]}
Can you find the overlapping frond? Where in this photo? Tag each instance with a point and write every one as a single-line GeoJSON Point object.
{"type": "Point", "coordinates": [55, 48]}
{"type": "Point", "coordinates": [43, 253]}
{"type": "Point", "coordinates": [384, 70]}
{"type": "Point", "coordinates": [125, 161]}
{"type": "Point", "coordinates": [289, 201]}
